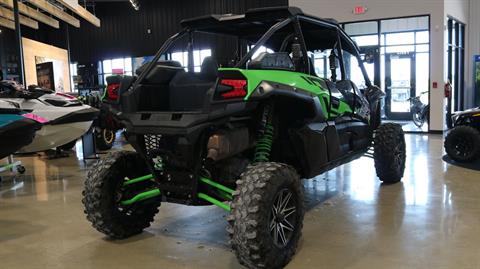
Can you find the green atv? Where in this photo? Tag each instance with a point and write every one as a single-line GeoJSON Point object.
{"type": "Point", "coordinates": [242, 136]}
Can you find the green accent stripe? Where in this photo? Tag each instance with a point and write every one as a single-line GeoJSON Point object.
{"type": "Point", "coordinates": [216, 185]}
{"type": "Point", "coordinates": [213, 201]}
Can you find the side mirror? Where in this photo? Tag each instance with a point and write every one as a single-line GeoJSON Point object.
{"type": "Point", "coordinates": [369, 57]}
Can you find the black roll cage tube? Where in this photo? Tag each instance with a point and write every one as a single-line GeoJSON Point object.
{"type": "Point", "coordinates": [277, 26]}
{"type": "Point", "coordinates": [157, 56]}
{"type": "Point", "coordinates": [341, 33]}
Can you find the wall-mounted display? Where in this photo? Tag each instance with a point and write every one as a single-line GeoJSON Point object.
{"type": "Point", "coordinates": [45, 76]}
{"type": "Point", "coordinates": [477, 80]}
{"type": "Point", "coordinates": [50, 73]}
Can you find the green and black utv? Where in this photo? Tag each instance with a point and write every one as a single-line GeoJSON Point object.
{"type": "Point", "coordinates": [272, 104]}
{"type": "Point", "coordinates": [462, 143]}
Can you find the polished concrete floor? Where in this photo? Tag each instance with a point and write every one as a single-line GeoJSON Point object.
{"type": "Point", "coordinates": [430, 220]}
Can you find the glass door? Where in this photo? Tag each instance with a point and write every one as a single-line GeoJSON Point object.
{"type": "Point", "coordinates": [400, 85]}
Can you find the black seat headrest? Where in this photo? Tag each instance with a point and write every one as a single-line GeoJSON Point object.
{"type": "Point", "coordinates": [163, 72]}
{"type": "Point", "coordinates": [163, 63]}
{"type": "Point", "coordinates": [209, 69]}
{"type": "Point", "coordinates": [115, 79]}
{"type": "Point", "coordinates": [275, 61]}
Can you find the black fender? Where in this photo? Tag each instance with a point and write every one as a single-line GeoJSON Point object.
{"type": "Point", "coordinates": [374, 94]}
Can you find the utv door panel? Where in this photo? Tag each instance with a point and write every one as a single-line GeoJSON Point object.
{"type": "Point", "coordinates": [333, 146]}
{"type": "Point", "coordinates": [310, 143]}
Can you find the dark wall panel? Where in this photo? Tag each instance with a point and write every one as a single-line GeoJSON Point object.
{"type": "Point", "coordinates": [124, 31]}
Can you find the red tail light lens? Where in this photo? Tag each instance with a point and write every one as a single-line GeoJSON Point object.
{"type": "Point", "coordinates": [112, 91]}
{"type": "Point", "coordinates": [238, 88]}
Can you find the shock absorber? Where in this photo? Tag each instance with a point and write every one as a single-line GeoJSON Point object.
{"type": "Point", "coordinates": [265, 137]}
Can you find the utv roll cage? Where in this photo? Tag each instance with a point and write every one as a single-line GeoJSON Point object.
{"type": "Point", "coordinates": [259, 26]}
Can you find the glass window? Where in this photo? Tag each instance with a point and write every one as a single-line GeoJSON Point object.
{"type": "Point", "coordinates": [196, 60]}
{"type": "Point", "coordinates": [362, 28]}
{"type": "Point", "coordinates": [366, 40]}
{"type": "Point", "coordinates": [320, 70]}
{"type": "Point", "coordinates": [422, 37]}
{"type": "Point", "coordinates": [128, 65]}
{"type": "Point", "coordinates": [107, 66]}
{"type": "Point", "coordinates": [400, 49]}
{"type": "Point", "coordinates": [73, 76]}
{"type": "Point", "coordinates": [181, 57]}
{"type": "Point", "coordinates": [198, 57]}
{"type": "Point", "coordinates": [322, 65]}
{"type": "Point", "coordinates": [119, 66]}
{"type": "Point", "coordinates": [353, 70]}
{"type": "Point", "coordinates": [423, 48]}
{"type": "Point", "coordinates": [400, 38]}
{"type": "Point", "coordinates": [404, 25]}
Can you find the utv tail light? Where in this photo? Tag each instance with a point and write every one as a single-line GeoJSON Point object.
{"type": "Point", "coordinates": [112, 91]}
{"type": "Point", "coordinates": [237, 88]}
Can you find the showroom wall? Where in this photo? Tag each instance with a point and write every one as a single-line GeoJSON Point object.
{"type": "Point", "coordinates": [126, 32]}
{"type": "Point", "coordinates": [378, 9]}
{"type": "Point", "coordinates": [34, 52]}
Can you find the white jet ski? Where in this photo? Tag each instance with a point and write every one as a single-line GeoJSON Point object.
{"type": "Point", "coordinates": [64, 118]}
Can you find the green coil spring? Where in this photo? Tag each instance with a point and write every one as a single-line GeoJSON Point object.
{"type": "Point", "coordinates": [264, 145]}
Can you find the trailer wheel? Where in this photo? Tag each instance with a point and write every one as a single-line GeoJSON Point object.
{"type": "Point", "coordinates": [389, 152]}
{"type": "Point", "coordinates": [104, 139]}
{"type": "Point", "coordinates": [104, 191]}
{"type": "Point", "coordinates": [266, 217]}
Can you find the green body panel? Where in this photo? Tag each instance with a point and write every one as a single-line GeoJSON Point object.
{"type": "Point", "coordinates": [293, 79]}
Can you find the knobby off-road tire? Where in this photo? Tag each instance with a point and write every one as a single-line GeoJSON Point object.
{"type": "Point", "coordinates": [389, 152]}
{"type": "Point", "coordinates": [462, 144]}
{"type": "Point", "coordinates": [253, 223]}
{"type": "Point", "coordinates": [104, 139]}
{"type": "Point", "coordinates": [104, 191]}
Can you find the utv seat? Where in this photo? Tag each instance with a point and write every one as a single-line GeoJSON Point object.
{"type": "Point", "coordinates": [154, 92]}
{"type": "Point", "coordinates": [188, 91]}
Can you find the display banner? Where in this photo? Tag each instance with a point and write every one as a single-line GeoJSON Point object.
{"type": "Point", "coordinates": [477, 80]}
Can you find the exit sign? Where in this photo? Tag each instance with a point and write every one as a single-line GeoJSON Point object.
{"type": "Point", "coordinates": [358, 10]}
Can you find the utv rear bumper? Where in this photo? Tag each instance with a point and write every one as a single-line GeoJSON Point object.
{"type": "Point", "coordinates": [182, 122]}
